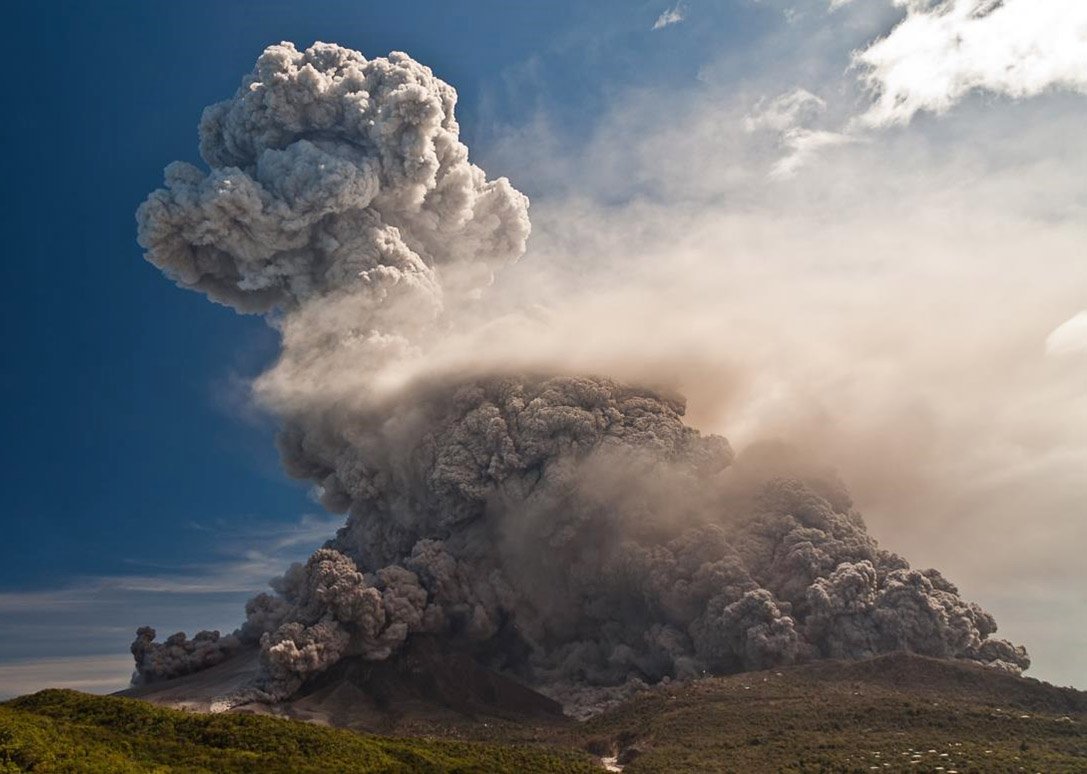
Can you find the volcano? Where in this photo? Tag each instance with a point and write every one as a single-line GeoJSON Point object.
{"type": "Point", "coordinates": [898, 712]}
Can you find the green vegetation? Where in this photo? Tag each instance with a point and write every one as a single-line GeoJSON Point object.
{"type": "Point", "coordinates": [896, 714]}
{"type": "Point", "coordinates": [66, 731]}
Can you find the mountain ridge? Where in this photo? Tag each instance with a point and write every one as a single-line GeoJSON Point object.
{"type": "Point", "coordinates": [895, 712]}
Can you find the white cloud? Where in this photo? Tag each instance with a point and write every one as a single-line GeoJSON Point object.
{"type": "Point", "coordinates": [802, 145]}
{"type": "Point", "coordinates": [1069, 338]}
{"type": "Point", "coordinates": [945, 49]}
{"type": "Point", "coordinates": [785, 111]}
{"type": "Point", "coordinates": [790, 115]}
{"type": "Point", "coordinates": [941, 51]}
{"type": "Point", "coordinates": [673, 15]}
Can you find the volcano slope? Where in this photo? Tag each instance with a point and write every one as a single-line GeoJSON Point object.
{"type": "Point", "coordinates": [439, 712]}
{"type": "Point", "coordinates": [898, 712]}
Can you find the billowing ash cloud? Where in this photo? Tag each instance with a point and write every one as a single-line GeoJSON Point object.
{"type": "Point", "coordinates": [569, 529]}
{"type": "Point", "coordinates": [331, 173]}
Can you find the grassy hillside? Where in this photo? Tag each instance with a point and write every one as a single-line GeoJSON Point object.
{"type": "Point", "coordinates": [894, 713]}
{"type": "Point", "coordinates": [60, 731]}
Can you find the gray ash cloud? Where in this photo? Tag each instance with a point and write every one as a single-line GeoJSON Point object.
{"type": "Point", "coordinates": [570, 529]}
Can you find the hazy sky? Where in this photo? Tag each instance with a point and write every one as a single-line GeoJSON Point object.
{"type": "Point", "coordinates": [859, 227]}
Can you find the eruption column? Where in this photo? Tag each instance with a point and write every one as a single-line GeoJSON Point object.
{"type": "Point", "coordinates": [570, 529]}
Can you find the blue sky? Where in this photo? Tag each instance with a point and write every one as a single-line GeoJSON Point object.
{"type": "Point", "coordinates": [131, 445]}
{"type": "Point", "coordinates": [140, 487]}
{"type": "Point", "coordinates": [130, 453]}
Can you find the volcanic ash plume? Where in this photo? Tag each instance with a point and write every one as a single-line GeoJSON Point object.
{"type": "Point", "coordinates": [571, 530]}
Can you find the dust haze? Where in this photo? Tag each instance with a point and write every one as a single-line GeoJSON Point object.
{"type": "Point", "coordinates": [512, 441]}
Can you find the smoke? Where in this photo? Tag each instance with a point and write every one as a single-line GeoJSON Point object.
{"type": "Point", "coordinates": [179, 655]}
{"type": "Point", "coordinates": [565, 526]}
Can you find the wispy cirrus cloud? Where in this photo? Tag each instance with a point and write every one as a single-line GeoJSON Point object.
{"type": "Point", "coordinates": [77, 635]}
{"type": "Point", "coordinates": [791, 116]}
{"type": "Point", "coordinates": [802, 144]}
{"type": "Point", "coordinates": [248, 558]}
{"type": "Point", "coordinates": [670, 16]}
{"type": "Point", "coordinates": [784, 112]}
